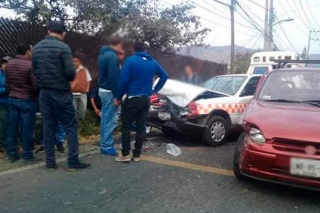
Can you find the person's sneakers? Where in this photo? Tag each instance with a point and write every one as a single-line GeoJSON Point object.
{"type": "Point", "coordinates": [32, 160]}
{"type": "Point", "coordinates": [111, 152]}
{"type": "Point", "coordinates": [78, 166]}
{"type": "Point", "coordinates": [136, 159]}
{"type": "Point", "coordinates": [60, 147]}
{"type": "Point", "coordinates": [40, 150]}
{"type": "Point", "coordinates": [51, 167]}
{"type": "Point", "coordinates": [15, 159]}
{"type": "Point", "coordinates": [123, 159]}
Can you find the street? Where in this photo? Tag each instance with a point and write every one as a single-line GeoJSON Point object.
{"type": "Point", "coordinates": [200, 180]}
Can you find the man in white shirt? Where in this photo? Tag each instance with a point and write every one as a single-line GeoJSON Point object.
{"type": "Point", "coordinates": [80, 99]}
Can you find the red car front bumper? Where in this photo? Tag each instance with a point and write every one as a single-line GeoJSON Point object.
{"type": "Point", "coordinates": [266, 163]}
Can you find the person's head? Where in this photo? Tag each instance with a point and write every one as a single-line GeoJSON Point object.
{"type": "Point", "coordinates": [188, 71]}
{"type": "Point", "coordinates": [115, 42]}
{"type": "Point", "coordinates": [24, 49]}
{"type": "Point", "coordinates": [57, 29]}
{"type": "Point", "coordinates": [77, 61]}
{"type": "Point", "coordinates": [121, 55]}
{"type": "Point", "coordinates": [139, 47]}
{"type": "Point", "coordinates": [5, 61]}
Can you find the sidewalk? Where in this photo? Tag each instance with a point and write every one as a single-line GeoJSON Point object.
{"type": "Point", "coordinates": [86, 146]}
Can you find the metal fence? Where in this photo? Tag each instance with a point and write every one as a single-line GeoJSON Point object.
{"type": "Point", "coordinates": [87, 47]}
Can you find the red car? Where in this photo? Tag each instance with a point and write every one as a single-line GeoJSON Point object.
{"type": "Point", "coordinates": [281, 142]}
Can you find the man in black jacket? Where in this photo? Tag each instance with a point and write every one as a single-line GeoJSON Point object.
{"type": "Point", "coordinates": [54, 69]}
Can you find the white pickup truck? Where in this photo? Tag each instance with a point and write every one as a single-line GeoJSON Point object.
{"type": "Point", "coordinates": [208, 111]}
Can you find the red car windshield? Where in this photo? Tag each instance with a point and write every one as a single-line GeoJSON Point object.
{"type": "Point", "coordinates": [291, 86]}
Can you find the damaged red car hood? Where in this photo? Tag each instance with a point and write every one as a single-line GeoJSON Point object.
{"type": "Point", "coordinates": [182, 94]}
{"type": "Point", "coordinates": [288, 121]}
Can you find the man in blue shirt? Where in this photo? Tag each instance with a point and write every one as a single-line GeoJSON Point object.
{"type": "Point", "coordinates": [3, 104]}
{"type": "Point", "coordinates": [109, 74]}
{"type": "Point", "coordinates": [136, 82]}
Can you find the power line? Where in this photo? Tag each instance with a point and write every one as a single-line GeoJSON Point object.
{"type": "Point", "coordinates": [308, 20]}
{"type": "Point", "coordinates": [217, 24]}
{"type": "Point", "coordinates": [258, 5]}
{"type": "Point", "coordinates": [298, 13]}
{"type": "Point", "coordinates": [314, 19]}
{"type": "Point", "coordinates": [285, 34]}
{"type": "Point", "coordinates": [297, 27]}
{"type": "Point", "coordinates": [219, 15]}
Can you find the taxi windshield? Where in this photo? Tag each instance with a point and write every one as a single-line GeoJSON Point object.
{"type": "Point", "coordinates": [225, 84]}
{"type": "Point", "coordinates": [291, 86]}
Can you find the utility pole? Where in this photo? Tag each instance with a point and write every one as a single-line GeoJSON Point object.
{"type": "Point", "coordinates": [266, 27]}
{"type": "Point", "coordinates": [270, 43]}
{"type": "Point", "coordinates": [309, 43]}
{"type": "Point", "coordinates": [232, 6]}
{"type": "Point", "coordinates": [315, 38]}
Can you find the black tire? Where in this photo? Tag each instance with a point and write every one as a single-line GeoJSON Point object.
{"type": "Point", "coordinates": [236, 157]}
{"type": "Point", "coordinates": [168, 132]}
{"type": "Point", "coordinates": [222, 132]}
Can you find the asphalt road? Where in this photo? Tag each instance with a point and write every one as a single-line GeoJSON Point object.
{"type": "Point", "coordinates": [198, 181]}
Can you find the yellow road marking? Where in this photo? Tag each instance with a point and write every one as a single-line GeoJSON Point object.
{"type": "Point", "coordinates": [185, 165]}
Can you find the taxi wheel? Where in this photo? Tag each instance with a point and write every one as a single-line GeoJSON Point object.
{"type": "Point", "coordinates": [217, 131]}
{"type": "Point", "coordinates": [167, 131]}
{"type": "Point", "coordinates": [236, 158]}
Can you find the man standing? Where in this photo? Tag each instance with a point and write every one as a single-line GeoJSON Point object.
{"type": "Point", "coordinates": [137, 81]}
{"type": "Point", "coordinates": [22, 87]}
{"type": "Point", "coordinates": [54, 69]}
{"type": "Point", "coordinates": [80, 99]}
{"type": "Point", "coordinates": [191, 77]}
{"type": "Point", "coordinates": [109, 74]}
{"type": "Point", "coordinates": [3, 105]}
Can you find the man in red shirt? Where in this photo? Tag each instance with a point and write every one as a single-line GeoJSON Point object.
{"type": "Point", "coordinates": [22, 87]}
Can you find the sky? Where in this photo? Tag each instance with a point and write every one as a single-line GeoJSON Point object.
{"type": "Point", "coordinates": [291, 36]}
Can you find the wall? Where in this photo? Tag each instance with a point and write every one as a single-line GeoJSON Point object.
{"type": "Point", "coordinates": [12, 32]}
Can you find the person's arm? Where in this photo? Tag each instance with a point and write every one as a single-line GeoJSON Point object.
{"type": "Point", "coordinates": [163, 76]}
{"type": "Point", "coordinates": [94, 106]}
{"type": "Point", "coordinates": [114, 74]}
{"type": "Point", "coordinates": [67, 64]}
{"type": "Point", "coordinates": [124, 80]}
{"type": "Point", "coordinates": [89, 79]}
{"type": "Point", "coordinates": [34, 83]}
{"type": "Point", "coordinates": [3, 87]}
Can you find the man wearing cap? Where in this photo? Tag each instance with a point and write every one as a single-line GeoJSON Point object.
{"type": "Point", "coordinates": [3, 103]}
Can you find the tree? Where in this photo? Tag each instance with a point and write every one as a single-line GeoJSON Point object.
{"type": "Point", "coordinates": [242, 61]}
{"type": "Point", "coordinates": [165, 28]}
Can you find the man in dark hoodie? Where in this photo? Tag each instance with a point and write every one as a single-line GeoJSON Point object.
{"type": "Point", "coordinates": [136, 82]}
{"type": "Point", "coordinates": [109, 74]}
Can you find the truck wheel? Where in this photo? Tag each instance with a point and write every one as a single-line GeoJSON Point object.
{"type": "Point", "coordinates": [236, 158]}
{"type": "Point", "coordinates": [217, 131]}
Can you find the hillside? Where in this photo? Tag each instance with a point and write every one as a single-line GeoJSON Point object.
{"type": "Point", "coordinates": [216, 54]}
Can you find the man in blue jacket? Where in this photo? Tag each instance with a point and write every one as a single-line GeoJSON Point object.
{"type": "Point", "coordinates": [3, 104]}
{"type": "Point", "coordinates": [136, 82]}
{"type": "Point", "coordinates": [109, 75]}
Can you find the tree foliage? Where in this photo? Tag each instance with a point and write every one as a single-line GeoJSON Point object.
{"type": "Point", "coordinates": [165, 28]}
{"type": "Point", "coordinates": [242, 61]}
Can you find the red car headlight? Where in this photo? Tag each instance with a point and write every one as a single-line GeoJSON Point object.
{"type": "Point", "coordinates": [257, 136]}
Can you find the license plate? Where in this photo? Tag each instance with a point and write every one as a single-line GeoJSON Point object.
{"type": "Point", "coordinates": [165, 116]}
{"type": "Point", "coordinates": [305, 167]}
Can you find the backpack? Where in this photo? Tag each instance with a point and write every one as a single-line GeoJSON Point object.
{"type": "Point", "coordinates": [80, 83]}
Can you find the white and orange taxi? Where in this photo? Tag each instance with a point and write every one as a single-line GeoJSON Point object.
{"type": "Point", "coordinates": [209, 111]}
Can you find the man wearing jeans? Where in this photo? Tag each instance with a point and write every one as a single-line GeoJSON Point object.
{"type": "Point", "coordinates": [136, 81]}
{"type": "Point", "coordinates": [3, 105]}
{"type": "Point", "coordinates": [22, 87]}
{"type": "Point", "coordinates": [53, 66]}
{"type": "Point", "coordinates": [109, 74]}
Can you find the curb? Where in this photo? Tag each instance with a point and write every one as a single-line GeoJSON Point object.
{"type": "Point", "coordinates": [42, 164]}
